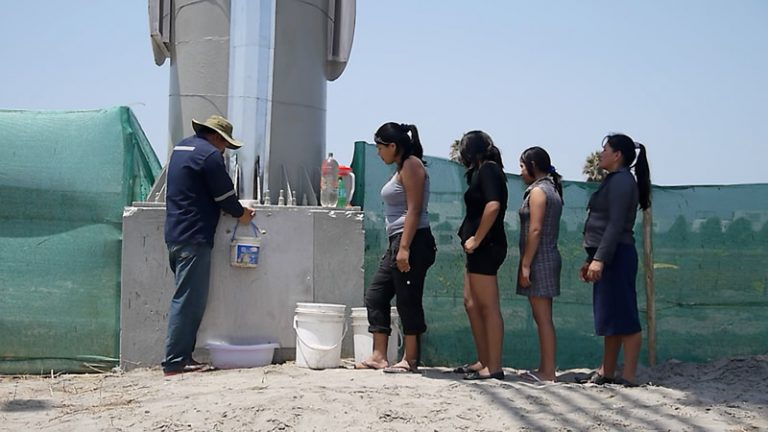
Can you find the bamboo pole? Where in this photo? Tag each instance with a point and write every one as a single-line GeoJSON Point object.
{"type": "Point", "coordinates": [650, 294]}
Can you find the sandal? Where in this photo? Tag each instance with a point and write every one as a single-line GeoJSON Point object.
{"type": "Point", "coordinates": [585, 379]}
{"type": "Point", "coordinates": [465, 369]}
{"type": "Point", "coordinates": [476, 376]}
{"type": "Point", "coordinates": [402, 367]}
{"type": "Point", "coordinates": [399, 370]}
{"type": "Point", "coordinates": [365, 364]}
{"type": "Point", "coordinates": [531, 377]}
{"type": "Point", "coordinates": [595, 378]}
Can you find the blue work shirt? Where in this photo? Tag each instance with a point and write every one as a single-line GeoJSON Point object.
{"type": "Point", "coordinates": [198, 189]}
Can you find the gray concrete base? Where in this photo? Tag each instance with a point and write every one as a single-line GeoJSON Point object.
{"type": "Point", "coordinates": [308, 254]}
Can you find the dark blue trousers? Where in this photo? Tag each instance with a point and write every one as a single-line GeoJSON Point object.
{"type": "Point", "coordinates": [614, 297]}
{"type": "Point", "coordinates": [191, 263]}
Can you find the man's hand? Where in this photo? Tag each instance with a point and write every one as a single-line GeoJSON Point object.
{"type": "Point", "coordinates": [247, 215]}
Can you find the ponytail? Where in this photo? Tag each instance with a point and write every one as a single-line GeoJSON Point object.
{"type": "Point", "coordinates": [493, 154]}
{"type": "Point", "coordinates": [537, 159]}
{"type": "Point", "coordinates": [406, 145]}
{"type": "Point", "coordinates": [557, 179]}
{"type": "Point", "coordinates": [643, 175]}
{"type": "Point", "coordinates": [632, 151]}
{"type": "Point", "coordinates": [416, 148]}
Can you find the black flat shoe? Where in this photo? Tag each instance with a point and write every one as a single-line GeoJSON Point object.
{"type": "Point", "coordinates": [476, 376]}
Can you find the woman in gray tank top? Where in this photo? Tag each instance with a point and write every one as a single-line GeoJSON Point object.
{"type": "Point", "coordinates": [411, 250]}
{"type": "Point", "coordinates": [538, 275]}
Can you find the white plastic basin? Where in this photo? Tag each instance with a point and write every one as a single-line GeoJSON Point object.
{"type": "Point", "coordinates": [226, 356]}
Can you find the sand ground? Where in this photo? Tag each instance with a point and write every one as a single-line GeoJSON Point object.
{"type": "Point", "coordinates": [726, 395]}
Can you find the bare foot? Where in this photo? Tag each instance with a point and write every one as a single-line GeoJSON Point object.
{"type": "Point", "coordinates": [370, 363]}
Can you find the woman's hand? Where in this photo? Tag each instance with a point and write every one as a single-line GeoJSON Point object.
{"type": "Point", "coordinates": [471, 244]}
{"type": "Point", "coordinates": [594, 271]}
{"type": "Point", "coordinates": [402, 259]}
{"type": "Point", "coordinates": [583, 272]}
{"type": "Point", "coordinates": [524, 277]}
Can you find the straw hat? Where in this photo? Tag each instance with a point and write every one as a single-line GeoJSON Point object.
{"type": "Point", "coordinates": [222, 126]}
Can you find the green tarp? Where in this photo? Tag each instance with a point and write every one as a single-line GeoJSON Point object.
{"type": "Point", "coordinates": [711, 275]}
{"type": "Point", "coordinates": [64, 180]}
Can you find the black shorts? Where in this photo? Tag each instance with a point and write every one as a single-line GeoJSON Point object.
{"type": "Point", "coordinates": [487, 259]}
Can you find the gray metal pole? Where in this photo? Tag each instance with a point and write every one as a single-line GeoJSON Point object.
{"type": "Point", "coordinates": [199, 48]}
{"type": "Point", "coordinates": [250, 85]}
{"type": "Point", "coordinates": [297, 120]}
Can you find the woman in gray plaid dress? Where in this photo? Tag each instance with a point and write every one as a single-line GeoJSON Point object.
{"type": "Point", "coordinates": [538, 275]}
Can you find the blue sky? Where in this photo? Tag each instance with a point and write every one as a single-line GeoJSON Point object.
{"type": "Point", "coordinates": [687, 78]}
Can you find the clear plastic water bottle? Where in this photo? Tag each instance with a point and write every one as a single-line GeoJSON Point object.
{"type": "Point", "coordinates": [329, 179]}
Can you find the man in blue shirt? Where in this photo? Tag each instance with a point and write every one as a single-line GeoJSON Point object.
{"type": "Point", "coordinates": [198, 189]}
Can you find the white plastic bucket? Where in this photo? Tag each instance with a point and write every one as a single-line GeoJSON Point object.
{"type": "Point", "coordinates": [320, 328]}
{"type": "Point", "coordinates": [363, 340]}
{"type": "Point", "coordinates": [244, 250]}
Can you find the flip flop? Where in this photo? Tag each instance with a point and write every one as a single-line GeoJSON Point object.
{"type": "Point", "coordinates": [367, 365]}
{"type": "Point", "coordinates": [399, 370]}
{"type": "Point", "coordinates": [464, 369]}
{"type": "Point", "coordinates": [595, 378]}
{"type": "Point", "coordinates": [587, 378]}
{"type": "Point", "coordinates": [191, 368]}
{"type": "Point", "coordinates": [530, 377]}
{"type": "Point", "coordinates": [206, 368]}
{"type": "Point", "coordinates": [476, 376]}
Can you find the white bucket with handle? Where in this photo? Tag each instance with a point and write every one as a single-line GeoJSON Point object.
{"type": "Point", "coordinates": [320, 328]}
{"type": "Point", "coordinates": [244, 250]}
{"type": "Point", "coordinates": [363, 340]}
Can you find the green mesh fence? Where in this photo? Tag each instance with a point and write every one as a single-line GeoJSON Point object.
{"type": "Point", "coordinates": [710, 257]}
{"type": "Point", "coordinates": [64, 180]}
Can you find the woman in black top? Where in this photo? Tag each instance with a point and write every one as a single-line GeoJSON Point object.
{"type": "Point", "coordinates": [483, 239]}
{"type": "Point", "coordinates": [611, 263]}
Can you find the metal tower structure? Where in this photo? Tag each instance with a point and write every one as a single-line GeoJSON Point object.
{"type": "Point", "coordinates": [264, 64]}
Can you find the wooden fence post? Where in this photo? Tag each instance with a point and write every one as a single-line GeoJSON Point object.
{"type": "Point", "coordinates": [650, 294]}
